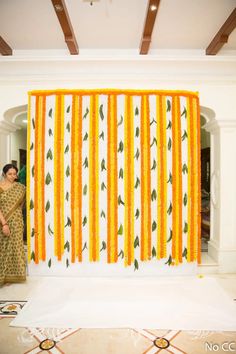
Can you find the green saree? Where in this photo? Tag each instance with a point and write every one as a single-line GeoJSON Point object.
{"type": "Point", "coordinates": [12, 256]}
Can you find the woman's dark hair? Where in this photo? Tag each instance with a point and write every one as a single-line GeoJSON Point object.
{"type": "Point", "coordinates": [7, 167]}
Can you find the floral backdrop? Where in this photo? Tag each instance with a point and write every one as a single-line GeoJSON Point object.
{"type": "Point", "coordinates": [113, 176]}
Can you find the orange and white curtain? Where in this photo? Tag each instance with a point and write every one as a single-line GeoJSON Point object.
{"type": "Point", "coordinates": [114, 177]}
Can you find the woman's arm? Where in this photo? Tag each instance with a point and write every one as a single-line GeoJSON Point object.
{"type": "Point", "coordinates": [5, 227]}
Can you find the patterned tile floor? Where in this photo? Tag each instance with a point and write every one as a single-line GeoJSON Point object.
{"type": "Point", "coordinates": [15, 340]}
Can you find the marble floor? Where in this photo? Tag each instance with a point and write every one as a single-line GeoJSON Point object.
{"type": "Point", "coordinates": [14, 340]}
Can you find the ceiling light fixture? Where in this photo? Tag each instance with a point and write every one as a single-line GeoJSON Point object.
{"type": "Point", "coordinates": [153, 7]}
{"type": "Point", "coordinates": [24, 121]}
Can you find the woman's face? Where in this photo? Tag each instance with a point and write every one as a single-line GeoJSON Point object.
{"type": "Point", "coordinates": [11, 175]}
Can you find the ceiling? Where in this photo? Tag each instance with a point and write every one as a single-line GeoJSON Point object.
{"type": "Point", "coordinates": [115, 25]}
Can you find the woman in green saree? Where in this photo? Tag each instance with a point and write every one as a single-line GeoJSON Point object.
{"type": "Point", "coordinates": [12, 256]}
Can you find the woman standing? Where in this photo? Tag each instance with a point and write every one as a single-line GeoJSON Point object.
{"type": "Point", "coordinates": [12, 256]}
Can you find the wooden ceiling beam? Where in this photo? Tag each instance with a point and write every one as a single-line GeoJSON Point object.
{"type": "Point", "coordinates": [222, 35]}
{"type": "Point", "coordinates": [5, 49]}
{"type": "Point", "coordinates": [151, 14]}
{"type": "Point", "coordinates": [64, 19]}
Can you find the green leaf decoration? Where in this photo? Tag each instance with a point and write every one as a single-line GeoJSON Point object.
{"type": "Point", "coordinates": [169, 261]}
{"type": "Point", "coordinates": [104, 246]}
{"type": "Point", "coordinates": [154, 165]}
{"type": "Point", "coordinates": [67, 171]}
{"type": "Point", "coordinates": [168, 106]}
{"type": "Point", "coordinates": [85, 164]}
{"type": "Point", "coordinates": [135, 265]}
{"type": "Point", "coordinates": [101, 136]}
{"type": "Point", "coordinates": [67, 196]}
{"type": "Point", "coordinates": [68, 127]}
{"type": "Point", "coordinates": [33, 123]}
{"type": "Point", "coordinates": [153, 121]}
{"type": "Point", "coordinates": [169, 125]}
{"type": "Point", "coordinates": [67, 263]}
{"type": "Point", "coordinates": [120, 231]}
{"type": "Point", "coordinates": [50, 132]}
{"type": "Point", "coordinates": [137, 183]}
{"type": "Point", "coordinates": [48, 179]}
{"type": "Point", "coordinates": [185, 200]}
{"type": "Point", "coordinates": [85, 189]}
{"type": "Point", "coordinates": [154, 195]}
{"type": "Point", "coordinates": [136, 242]}
{"type": "Point", "coordinates": [50, 230]}
{"type": "Point", "coordinates": [154, 141]}
{"type": "Point", "coordinates": [170, 178]}
{"type": "Point", "coordinates": [47, 206]}
{"type": "Point", "coordinates": [85, 136]}
{"type": "Point", "coordinates": [103, 186]}
{"type": "Point", "coordinates": [154, 225]}
{"type": "Point", "coordinates": [184, 112]}
{"type": "Point", "coordinates": [49, 154]}
{"type": "Point", "coordinates": [185, 253]}
{"type": "Point", "coordinates": [120, 201]}
{"type": "Point", "coordinates": [103, 166]}
{"type": "Point", "coordinates": [50, 113]}
{"type": "Point", "coordinates": [121, 146]}
{"type": "Point", "coordinates": [49, 263]}
{"type": "Point", "coordinates": [169, 211]}
{"type": "Point", "coordinates": [31, 204]}
{"type": "Point", "coordinates": [185, 168]}
{"type": "Point", "coordinates": [121, 121]}
{"type": "Point", "coordinates": [121, 173]}
{"type": "Point", "coordinates": [121, 254]}
{"type": "Point", "coordinates": [67, 246]}
{"type": "Point", "coordinates": [154, 253]}
{"type": "Point", "coordinates": [137, 213]}
{"type": "Point", "coordinates": [68, 109]}
{"type": "Point", "coordinates": [85, 246]}
{"type": "Point", "coordinates": [185, 135]}
{"type": "Point", "coordinates": [185, 227]}
{"type": "Point", "coordinates": [169, 144]}
{"type": "Point", "coordinates": [68, 223]}
{"type": "Point", "coordinates": [103, 215]}
{"type": "Point", "coordinates": [137, 154]}
{"type": "Point", "coordinates": [101, 112]}
{"type": "Point", "coordinates": [32, 233]}
{"type": "Point", "coordinates": [32, 257]}
{"type": "Point", "coordinates": [85, 221]}
{"type": "Point", "coordinates": [137, 132]}
{"type": "Point", "coordinates": [66, 149]}
{"type": "Point", "coordinates": [136, 112]}
{"type": "Point", "coordinates": [170, 237]}
{"type": "Point", "coordinates": [86, 113]}
{"type": "Point", "coordinates": [32, 146]}
{"type": "Point", "coordinates": [32, 171]}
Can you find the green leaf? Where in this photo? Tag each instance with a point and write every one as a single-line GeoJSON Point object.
{"type": "Point", "coordinates": [48, 179]}
{"type": "Point", "coordinates": [169, 125]}
{"type": "Point", "coordinates": [49, 154]}
{"type": "Point", "coordinates": [135, 265]}
{"type": "Point", "coordinates": [68, 223]}
{"type": "Point", "coordinates": [68, 109]}
{"type": "Point", "coordinates": [153, 121]}
{"type": "Point", "coordinates": [154, 253]}
{"type": "Point", "coordinates": [67, 196]}
{"type": "Point", "coordinates": [137, 154]}
{"type": "Point", "coordinates": [67, 171]}
{"type": "Point", "coordinates": [136, 112]}
{"type": "Point", "coordinates": [121, 173]}
{"type": "Point", "coordinates": [32, 257]}
{"type": "Point", "coordinates": [103, 166]}
{"type": "Point", "coordinates": [184, 112]}
{"type": "Point", "coordinates": [154, 165]}
{"type": "Point", "coordinates": [32, 171]}
{"type": "Point", "coordinates": [137, 183]}
{"type": "Point", "coordinates": [169, 211]}
{"type": "Point", "coordinates": [50, 230]}
{"type": "Point", "coordinates": [33, 123]}
{"type": "Point", "coordinates": [68, 127]}
{"type": "Point", "coordinates": [85, 189]}
{"type": "Point", "coordinates": [32, 146]}
{"type": "Point", "coordinates": [67, 246]}
{"type": "Point", "coordinates": [120, 201]}
{"type": "Point", "coordinates": [85, 221]}
{"type": "Point", "coordinates": [85, 246]}
{"type": "Point", "coordinates": [137, 132]}
{"type": "Point", "coordinates": [136, 242]}
{"type": "Point", "coordinates": [185, 200]}
{"type": "Point", "coordinates": [101, 135]}
{"type": "Point", "coordinates": [85, 164]}
{"type": "Point", "coordinates": [67, 263]}
{"type": "Point", "coordinates": [121, 120]}
{"type": "Point", "coordinates": [185, 135]}
{"type": "Point", "coordinates": [31, 204]}
{"type": "Point", "coordinates": [137, 213]}
{"type": "Point", "coordinates": [185, 227]}
{"type": "Point", "coordinates": [103, 215]}
{"type": "Point", "coordinates": [50, 113]}
{"type": "Point", "coordinates": [121, 254]}
{"type": "Point", "coordinates": [185, 168]}
{"type": "Point", "coordinates": [103, 186]}
{"type": "Point", "coordinates": [170, 178]}
{"type": "Point", "coordinates": [50, 132]}
{"type": "Point", "coordinates": [104, 246]}
{"type": "Point", "coordinates": [49, 263]}
{"type": "Point", "coordinates": [169, 261]}
{"type": "Point", "coordinates": [85, 136]}
{"type": "Point", "coordinates": [185, 253]}
{"type": "Point", "coordinates": [170, 237]}
{"type": "Point", "coordinates": [169, 144]}
{"type": "Point", "coordinates": [47, 206]}
{"type": "Point", "coordinates": [121, 146]}
{"type": "Point", "coordinates": [66, 149]}
{"type": "Point", "coordinates": [168, 106]}
{"type": "Point", "coordinates": [32, 232]}
{"type": "Point", "coordinates": [101, 111]}
{"type": "Point", "coordinates": [86, 113]}
{"type": "Point", "coordinates": [154, 195]}
{"type": "Point", "coordinates": [154, 141]}
{"type": "Point", "coordinates": [120, 231]}
{"type": "Point", "coordinates": [154, 225]}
